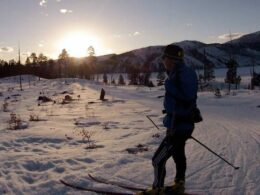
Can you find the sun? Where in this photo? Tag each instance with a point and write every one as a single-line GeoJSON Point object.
{"type": "Point", "coordinates": [77, 43]}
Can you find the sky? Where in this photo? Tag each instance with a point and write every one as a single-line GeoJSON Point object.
{"type": "Point", "coordinates": [117, 26]}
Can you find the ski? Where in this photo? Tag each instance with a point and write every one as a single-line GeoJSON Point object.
{"type": "Point", "coordinates": [168, 191]}
{"type": "Point", "coordinates": [105, 181]}
{"type": "Point", "coordinates": [105, 192]}
{"type": "Point", "coordinates": [93, 189]}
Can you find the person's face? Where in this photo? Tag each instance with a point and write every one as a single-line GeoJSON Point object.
{"type": "Point", "coordinates": [168, 63]}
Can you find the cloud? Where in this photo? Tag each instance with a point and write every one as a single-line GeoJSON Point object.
{"type": "Point", "coordinates": [117, 35]}
{"type": "Point", "coordinates": [26, 53]}
{"type": "Point", "coordinates": [58, 0]}
{"type": "Point", "coordinates": [43, 3]}
{"type": "Point", "coordinates": [232, 36]}
{"type": "Point", "coordinates": [189, 25]}
{"type": "Point", "coordinates": [44, 14]}
{"type": "Point", "coordinates": [41, 43]}
{"type": "Point", "coordinates": [136, 33]}
{"type": "Point", "coordinates": [109, 51]}
{"type": "Point", "coordinates": [6, 49]}
{"type": "Point", "coordinates": [65, 11]}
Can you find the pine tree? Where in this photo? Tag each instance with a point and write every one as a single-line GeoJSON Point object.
{"type": "Point", "coordinates": [133, 75]}
{"type": "Point", "coordinates": [231, 75]}
{"type": "Point", "coordinates": [52, 73]}
{"type": "Point", "coordinates": [63, 61]}
{"type": "Point", "coordinates": [34, 62]}
{"type": "Point", "coordinates": [113, 82]}
{"type": "Point", "coordinates": [208, 69]}
{"type": "Point", "coordinates": [255, 79]}
{"type": "Point", "coordinates": [147, 81]}
{"type": "Point", "coordinates": [105, 78]}
{"type": "Point", "coordinates": [208, 72]}
{"type": "Point", "coordinates": [91, 62]}
{"type": "Point", "coordinates": [121, 80]}
{"type": "Point", "coordinates": [91, 51]}
{"type": "Point", "coordinates": [42, 69]}
{"type": "Point", "coordinates": [160, 78]}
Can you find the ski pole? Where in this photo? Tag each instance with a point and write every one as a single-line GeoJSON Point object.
{"type": "Point", "coordinates": [214, 152]}
{"type": "Point", "coordinates": [202, 145]}
{"type": "Point", "coordinates": [152, 122]}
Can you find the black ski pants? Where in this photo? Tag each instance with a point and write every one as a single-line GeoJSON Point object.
{"type": "Point", "coordinates": [171, 146]}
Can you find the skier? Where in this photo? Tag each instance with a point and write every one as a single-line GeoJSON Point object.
{"type": "Point", "coordinates": [180, 99]}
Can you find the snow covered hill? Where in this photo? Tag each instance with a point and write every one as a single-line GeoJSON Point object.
{"type": "Point", "coordinates": [245, 49]}
{"type": "Point", "coordinates": [249, 38]}
{"type": "Point", "coordinates": [54, 144]}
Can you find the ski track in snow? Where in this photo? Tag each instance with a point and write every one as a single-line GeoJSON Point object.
{"type": "Point", "coordinates": [32, 160]}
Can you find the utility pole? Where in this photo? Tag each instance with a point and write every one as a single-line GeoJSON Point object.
{"type": "Point", "coordinates": [231, 75]}
{"type": "Point", "coordinates": [230, 54]}
{"type": "Point", "coordinates": [19, 65]}
{"type": "Point", "coordinates": [230, 58]}
{"type": "Point", "coordinates": [253, 63]}
{"type": "Point", "coordinates": [253, 74]}
{"type": "Point", "coordinates": [204, 66]}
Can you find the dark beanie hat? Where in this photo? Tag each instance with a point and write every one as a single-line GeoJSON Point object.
{"type": "Point", "coordinates": [174, 52]}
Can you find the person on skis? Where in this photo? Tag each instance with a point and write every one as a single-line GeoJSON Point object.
{"type": "Point", "coordinates": [180, 97]}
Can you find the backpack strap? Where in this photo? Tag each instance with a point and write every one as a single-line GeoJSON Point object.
{"type": "Point", "coordinates": [176, 82]}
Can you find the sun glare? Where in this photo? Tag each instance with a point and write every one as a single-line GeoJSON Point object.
{"type": "Point", "coordinates": [77, 44]}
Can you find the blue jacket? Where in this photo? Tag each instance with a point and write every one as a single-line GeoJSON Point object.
{"type": "Point", "coordinates": [180, 94]}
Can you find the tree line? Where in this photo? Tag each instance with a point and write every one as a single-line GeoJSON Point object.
{"type": "Point", "coordinates": [41, 66]}
{"type": "Point", "coordinates": [88, 68]}
{"type": "Point", "coordinates": [69, 67]}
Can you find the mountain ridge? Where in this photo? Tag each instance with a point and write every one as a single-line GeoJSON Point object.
{"type": "Point", "coordinates": [243, 49]}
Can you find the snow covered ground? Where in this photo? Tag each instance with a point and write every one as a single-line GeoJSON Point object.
{"type": "Point", "coordinates": [33, 159]}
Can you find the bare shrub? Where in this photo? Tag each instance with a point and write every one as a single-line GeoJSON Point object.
{"type": "Point", "coordinates": [15, 122]}
{"type": "Point", "coordinates": [217, 93]}
{"type": "Point", "coordinates": [44, 99]}
{"type": "Point", "coordinates": [34, 117]}
{"type": "Point", "coordinates": [86, 136]}
{"type": "Point", "coordinates": [68, 138]}
{"type": "Point", "coordinates": [156, 135]}
{"type": "Point", "coordinates": [67, 99]}
{"type": "Point", "coordinates": [10, 89]}
{"type": "Point", "coordinates": [138, 149]}
{"type": "Point", "coordinates": [105, 125]}
{"type": "Point", "coordinates": [84, 133]}
{"type": "Point", "coordinates": [5, 106]}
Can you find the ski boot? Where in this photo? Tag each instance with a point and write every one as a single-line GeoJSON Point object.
{"type": "Point", "coordinates": [156, 191]}
{"type": "Point", "coordinates": [178, 188]}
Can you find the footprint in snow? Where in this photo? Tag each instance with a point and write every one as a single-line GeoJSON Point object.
{"type": "Point", "coordinates": [37, 166]}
